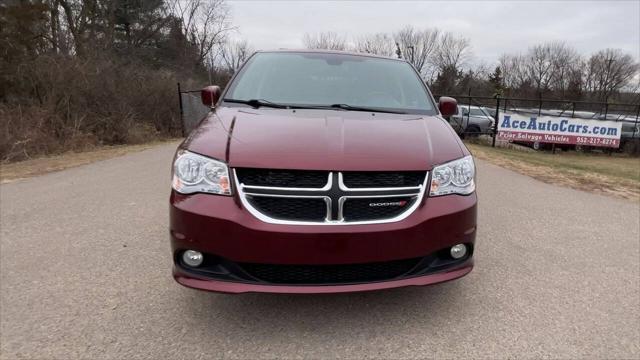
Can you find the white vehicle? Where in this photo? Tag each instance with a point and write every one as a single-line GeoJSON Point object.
{"type": "Point", "coordinates": [472, 120]}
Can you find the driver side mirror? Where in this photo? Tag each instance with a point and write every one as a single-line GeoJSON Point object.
{"type": "Point", "coordinates": [210, 95]}
{"type": "Point", "coordinates": [448, 106]}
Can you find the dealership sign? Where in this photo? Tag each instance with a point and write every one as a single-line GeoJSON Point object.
{"type": "Point", "coordinates": [558, 130]}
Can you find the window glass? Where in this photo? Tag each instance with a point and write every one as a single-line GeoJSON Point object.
{"type": "Point", "coordinates": [326, 79]}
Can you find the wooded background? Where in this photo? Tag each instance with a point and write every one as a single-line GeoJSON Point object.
{"type": "Point", "coordinates": [552, 70]}
{"type": "Point", "coordinates": [81, 73]}
{"type": "Point", "coordinates": [76, 74]}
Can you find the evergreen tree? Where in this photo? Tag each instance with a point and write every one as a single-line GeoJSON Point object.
{"type": "Point", "coordinates": [497, 81]}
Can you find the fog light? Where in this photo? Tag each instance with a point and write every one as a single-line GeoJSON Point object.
{"type": "Point", "coordinates": [458, 251]}
{"type": "Point", "coordinates": [193, 258]}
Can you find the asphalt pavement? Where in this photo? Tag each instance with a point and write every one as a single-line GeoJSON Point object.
{"type": "Point", "coordinates": [85, 273]}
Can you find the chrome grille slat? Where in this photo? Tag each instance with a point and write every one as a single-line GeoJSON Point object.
{"type": "Point", "coordinates": [335, 194]}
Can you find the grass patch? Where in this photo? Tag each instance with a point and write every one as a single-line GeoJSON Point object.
{"type": "Point", "coordinates": [615, 175]}
{"type": "Point", "coordinates": [23, 169]}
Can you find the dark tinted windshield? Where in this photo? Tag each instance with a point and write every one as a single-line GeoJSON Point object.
{"type": "Point", "coordinates": [477, 112]}
{"type": "Point", "coordinates": [326, 79]}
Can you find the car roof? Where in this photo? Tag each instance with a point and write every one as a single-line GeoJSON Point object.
{"type": "Point", "coordinates": [336, 52]}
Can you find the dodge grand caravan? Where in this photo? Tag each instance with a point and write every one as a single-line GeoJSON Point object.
{"type": "Point", "coordinates": [319, 172]}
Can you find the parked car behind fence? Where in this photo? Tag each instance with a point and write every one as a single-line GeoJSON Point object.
{"type": "Point", "coordinates": [472, 121]}
{"type": "Point", "coordinates": [471, 108]}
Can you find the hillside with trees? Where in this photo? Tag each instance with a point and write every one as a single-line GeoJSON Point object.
{"type": "Point", "coordinates": [77, 74]}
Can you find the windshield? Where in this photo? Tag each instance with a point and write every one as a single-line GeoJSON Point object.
{"type": "Point", "coordinates": [321, 79]}
{"type": "Point", "coordinates": [477, 112]}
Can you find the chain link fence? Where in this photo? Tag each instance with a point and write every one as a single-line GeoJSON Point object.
{"type": "Point", "coordinates": [192, 111]}
{"type": "Point", "coordinates": [477, 115]}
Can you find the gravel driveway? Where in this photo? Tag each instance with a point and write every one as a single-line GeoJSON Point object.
{"type": "Point", "coordinates": [85, 273]}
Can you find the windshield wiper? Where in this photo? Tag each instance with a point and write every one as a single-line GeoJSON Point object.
{"type": "Point", "coordinates": [256, 103]}
{"type": "Point", "coordinates": [361, 108]}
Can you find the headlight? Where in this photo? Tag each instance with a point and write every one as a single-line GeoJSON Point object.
{"type": "Point", "coordinates": [455, 177]}
{"type": "Point", "coordinates": [196, 173]}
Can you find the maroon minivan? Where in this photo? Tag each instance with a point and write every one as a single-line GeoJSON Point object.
{"type": "Point", "coordinates": [320, 172]}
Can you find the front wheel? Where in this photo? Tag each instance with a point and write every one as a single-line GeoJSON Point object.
{"type": "Point", "coordinates": [583, 148]}
{"type": "Point", "coordinates": [472, 131]}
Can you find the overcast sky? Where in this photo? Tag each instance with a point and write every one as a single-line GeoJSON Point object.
{"type": "Point", "coordinates": [494, 27]}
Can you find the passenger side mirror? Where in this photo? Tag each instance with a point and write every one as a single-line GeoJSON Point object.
{"type": "Point", "coordinates": [210, 95]}
{"type": "Point", "coordinates": [448, 106]}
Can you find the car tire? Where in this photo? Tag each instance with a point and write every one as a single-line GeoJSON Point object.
{"type": "Point", "coordinates": [536, 146]}
{"type": "Point", "coordinates": [472, 131]}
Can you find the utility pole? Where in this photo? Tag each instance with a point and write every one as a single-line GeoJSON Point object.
{"type": "Point", "coordinates": [413, 49]}
{"type": "Point", "coordinates": [398, 51]}
{"type": "Point", "coordinates": [606, 81]}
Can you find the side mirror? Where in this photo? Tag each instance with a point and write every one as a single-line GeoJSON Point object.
{"type": "Point", "coordinates": [448, 106]}
{"type": "Point", "coordinates": [210, 95]}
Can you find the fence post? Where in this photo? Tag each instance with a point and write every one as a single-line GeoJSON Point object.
{"type": "Point", "coordinates": [540, 104]}
{"type": "Point", "coordinates": [573, 111]}
{"type": "Point", "coordinates": [606, 109]}
{"type": "Point", "coordinates": [635, 125]}
{"type": "Point", "coordinates": [181, 110]}
{"type": "Point", "coordinates": [464, 130]}
{"type": "Point", "coordinates": [497, 118]}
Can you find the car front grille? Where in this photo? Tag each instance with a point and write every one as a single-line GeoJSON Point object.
{"type": "Point", "coordinates": [282, 178]}
{"type": "Point", "coordinates": [363, 209]}
{"type": "Point", "coordinates": [330, 274]}
{"type": "Point", "coordinates": [382, 179]}
{"type": "Point", "coordinates": [285, 208]}
{"type": "Point", "coordinates": [300, 197]}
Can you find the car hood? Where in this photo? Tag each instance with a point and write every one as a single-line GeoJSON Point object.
{"type": "Point", "coordinates": [325, 139]}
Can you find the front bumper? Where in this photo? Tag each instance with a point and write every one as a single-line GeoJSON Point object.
{"type": "Point", "coordinates": [239, 287]}
{"type": "Point", "coordinates": [220, 226]}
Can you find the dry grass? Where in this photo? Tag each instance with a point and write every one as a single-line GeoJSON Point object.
{"type": "Point", "coordinates": [55, 104]}
{"type": "Point", "coordinates": [614, 175]}
{"type": "Point", "coordinates": [23, 169]}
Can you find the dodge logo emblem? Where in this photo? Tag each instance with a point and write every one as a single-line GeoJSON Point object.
{"type": "Point", "coordinates": [391, 203]}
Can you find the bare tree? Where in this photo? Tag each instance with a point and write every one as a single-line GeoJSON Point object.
{"type": "Point", "coordinates": [106, 25]}
{"type": "Point", "coordinates": [379, 44]}
{"type": "Point", "coordinates": [565, 62]}
{"type": "Point", "coordinates": [205, 23]}
{"type": "Point", "coordinates": [510, 66]}
{"type": "Point", "coordinates": [540, 66]}
{"type": "Point", "coordinates": [76, 16]}
{"type": "Point", "coordinates": [452, 52]}
{"type": "Point", "coordinates": [418, 47]}
{"type": "Point", "coordinates": [608, 71]}
{"type": "Point", "coordinates": [234, 53]}
{"type": "Point", "coordinates": [325, 40]}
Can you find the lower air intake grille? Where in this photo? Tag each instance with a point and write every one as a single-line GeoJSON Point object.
{"type": "Point", "coordinates": [330, 274]}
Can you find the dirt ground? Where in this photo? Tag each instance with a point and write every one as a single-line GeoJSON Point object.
{"type": "Point", "coordinates": [23, 169]}
{"type": "Point", "coordinates": [613, 175]}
